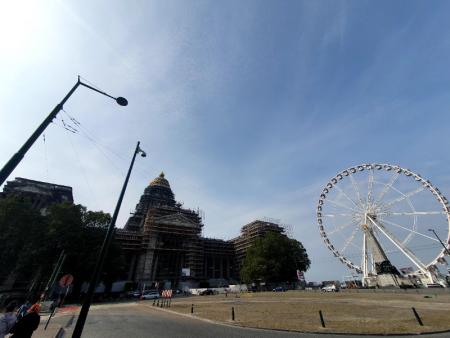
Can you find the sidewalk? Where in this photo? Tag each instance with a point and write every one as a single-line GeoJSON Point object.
{"type": "Point", "coordinates": [63, 318]}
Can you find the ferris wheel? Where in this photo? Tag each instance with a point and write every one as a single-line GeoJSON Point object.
{"type": "Point", "coordinates": [381, 218]}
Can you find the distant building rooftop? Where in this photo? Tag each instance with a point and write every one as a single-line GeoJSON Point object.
{"type": "Point", "coordinates": [40, 194]}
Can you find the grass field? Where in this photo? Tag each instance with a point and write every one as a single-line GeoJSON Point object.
{"type": "Point", "coordinates": [343, 311]}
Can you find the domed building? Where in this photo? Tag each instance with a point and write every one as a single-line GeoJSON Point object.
{"type": "Point", "coordinates": [164, 248]}
{"type": "Point", "coordinates": [158, 193]}
{"type": "Point", "coordinates": [163, 242]}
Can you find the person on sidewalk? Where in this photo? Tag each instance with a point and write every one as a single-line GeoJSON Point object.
{"type": "Point", "coordinates": [22, 311]}
{"type": "Point", "coordinates": [25, 327]}
{"type": "Point", "coordinates": [7, 320]}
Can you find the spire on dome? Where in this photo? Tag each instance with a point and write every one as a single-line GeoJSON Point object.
{"type": "Point", "coordinates": [160, 181]}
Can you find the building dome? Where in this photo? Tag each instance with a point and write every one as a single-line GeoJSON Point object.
{"type": "Point", "coordinates": [157, 193]}
{"type": "Point", "coordinates": [160, 181]}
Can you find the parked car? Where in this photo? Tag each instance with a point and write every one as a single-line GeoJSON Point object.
{"type": "Point", "coordinates": [330, 288]}
{"type": "Point", "coordinates": [279, 289]}
{"type": "Point", "coordinates": [206, 292]}
{"type": "Point", "coordinates": [135, 294]}
{"type": "Point", "coordinates": [150, 295]}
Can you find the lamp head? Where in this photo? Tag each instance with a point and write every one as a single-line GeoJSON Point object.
{"type": "Point", "coordinates": [140, 151]}
{"type": "Point", "coordinates": [122, 101]}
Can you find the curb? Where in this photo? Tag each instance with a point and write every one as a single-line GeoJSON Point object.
{"type": "Point", "coordinates": [61, 333]}
{"type": "Point", "coordinates": [62, 330]}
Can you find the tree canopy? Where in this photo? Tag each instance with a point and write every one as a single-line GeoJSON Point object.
{"type": "Point", "coordinates": [30, 243]}
{"type": "Point", "coordinates": [274, 258]}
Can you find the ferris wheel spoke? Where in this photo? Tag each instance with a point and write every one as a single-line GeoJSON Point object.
{"type": "Point", "coordinates": [338, 215]}
{"type": "Point", "coordinates": [355, 187]}
{"type": "Point", "coordinates": [370, 186]}
{"type": "Point", "coordinates": [341, 205]}
{"type": "Point", "coordinates": [388, 186]}
{"type": "Point", "coordinates": [350, 239]}
{"type": "Point", "coordinates": [340, 227]}
{"type": "Point", "coordinates": [408, 253]}
{"type": "Point", "coordinates": [413, 213]}
{"type": "Point", "coordinates": [404, 196]}
{"type": "Point", "coordinates": [346, 196]}
{"type": "Point", "coordinates": [410, 230]}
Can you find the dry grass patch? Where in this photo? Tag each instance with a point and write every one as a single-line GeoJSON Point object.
{"type": "Point", "coordinates": [343, 312]}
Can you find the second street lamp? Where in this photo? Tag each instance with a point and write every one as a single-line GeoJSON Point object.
{"type": "Point", "coordinates": [17, 157]}
{"type": "Point", "coordinates": [103, 251]}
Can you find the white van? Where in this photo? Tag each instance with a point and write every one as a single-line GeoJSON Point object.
{"type": "Point", "coordinates": [330, 288]}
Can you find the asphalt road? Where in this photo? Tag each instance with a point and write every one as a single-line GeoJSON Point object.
{"type": "Point", "coordinates": [132, 320]}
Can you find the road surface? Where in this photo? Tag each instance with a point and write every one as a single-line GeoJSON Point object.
{"type": "Point", "coordinates": [142, 320]}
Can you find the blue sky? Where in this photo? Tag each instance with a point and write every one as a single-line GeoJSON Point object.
{"type": "Point", "coordinates": [249, 107]}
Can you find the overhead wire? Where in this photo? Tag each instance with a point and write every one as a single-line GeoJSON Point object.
{"type": "Point", "coordinates": [85, 132]}
{"type": "Point", "coordinates": [90, 83]}
{"type": "Point", "coordinates": [83, 173]}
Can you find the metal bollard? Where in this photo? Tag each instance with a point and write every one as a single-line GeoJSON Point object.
{"type": "Point", "coordinates": [50, 317]}
{"type": "Point", "coordinates": [321, 318]}
{"type": "Point", "coordinates": [232, 313]}
{"type": "Point", "coordinates": [417, 317]}
{"type": "Point", "coordinates": [154, 300]}
{"type": "Point", "coordinates": [192, 308]}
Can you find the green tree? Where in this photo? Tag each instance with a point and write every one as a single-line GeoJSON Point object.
{"type": "Point", "coordinates": [21, 230]}
{"type": "Point", "coordinates": [30, 243]}
{"type": "Point", "coordinates": [274, 258]}
{"type": "Point", "coordinates": [81, 233]}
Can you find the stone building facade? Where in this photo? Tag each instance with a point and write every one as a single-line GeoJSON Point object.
{"type": "Point", "coordinates": [162, 241]}
{"type": "Point", "coordinates": [164, 247]}
{"type": "Point", "coordinates": [40, 194]}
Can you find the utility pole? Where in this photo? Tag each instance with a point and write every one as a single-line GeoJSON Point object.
{"type": "Point", "coordinates": [17, 157]}
{"type": "Point", "coordinates": [54, 275]}
{"type": "Point", "coordinates": [104, 250]}
{"type": "Point", "coordinates": [442, 243]}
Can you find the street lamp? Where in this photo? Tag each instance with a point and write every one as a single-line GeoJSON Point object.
{"type": "Point", "coordinates": [104, 250]}
{"type": "Point", "coordinates": [17, 157]}
{"type": "Point", "coordinates": [445, 248]}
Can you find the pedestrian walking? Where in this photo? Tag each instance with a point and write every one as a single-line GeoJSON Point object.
{"type": "Point", "coordinates": [7, 320]}
{"type": "Point", "coordinates": [25, 327]}
{"type": "Point", "coordinates": [22, 311]}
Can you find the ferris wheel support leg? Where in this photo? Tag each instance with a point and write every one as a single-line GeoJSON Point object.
{"type": "Point", "coordinates": [364, 261]}
{"type": "Point", "coordinates": [431, 278]}
{"type": "Point", "coordinates": [422, 267]}
{"type": "Point", "coordinates": [372, 263]}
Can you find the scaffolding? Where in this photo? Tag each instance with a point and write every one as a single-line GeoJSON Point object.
{"type": "Point", "coordinates": [166, 243]}
{"type": "Point", "coordinates": [249, 234]}
{"type": "Point", "coordinates": [218, 259]}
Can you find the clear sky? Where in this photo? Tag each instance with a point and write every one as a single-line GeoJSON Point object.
{"type": "Point", "coordinates": [249, 107]}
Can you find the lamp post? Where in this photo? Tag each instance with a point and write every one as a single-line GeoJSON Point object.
{"type": "Point", "coordinates": [17, 157]}
{"type": "Point", "coordinates": [445, 248]}
{"type": "Point", "coordinates": [101, 257]}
